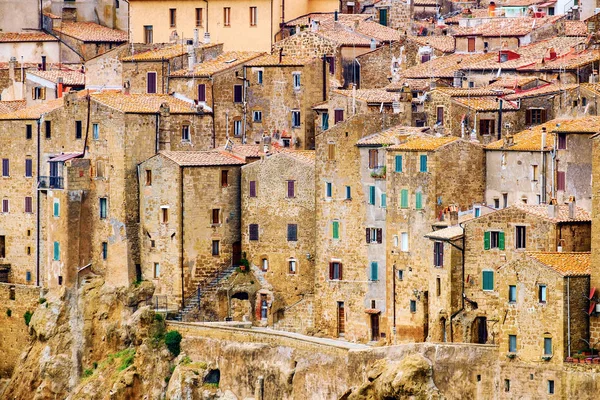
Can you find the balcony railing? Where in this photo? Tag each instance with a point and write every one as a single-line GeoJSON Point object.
{"type": "Point", "coordinates": [51, 182]}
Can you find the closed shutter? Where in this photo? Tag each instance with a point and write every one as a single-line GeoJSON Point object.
{"type": "Point", "coordinates": [5, 205]}
{"type": "Point", "coordinates": [336, 229]}
{"type": "Point", "coordinates": [501, 240]}
{"type": "Point", "coordinates": [291, 189]}
{"type": "Point", "coordinates": [560, 180]}
{"type": "Point", "coordinates": [368, 235]}
{"type": "Point", "coordinates": [440, 254]}
{"type": "Point", "coordinates": [56, 251]}
{"type": "Point", "coordinates": [379, 235]}
{"type": "Point", "coordinates": [486, 240]}
{"type": "Point", "coordinates": [418, 201]}
{"type": "Point", "coordinates": [237, 93]}
{"type": "Point", "coordinates": [253, 230]}
{"type": "Point", "coordinates": [202, 92]}
{"type": "Point", "coordinates": [28, 168]}
{"type": "Point", "coordinates": [383, 200]}
{"type": "Point", "coordinates": [57, 209]}
{"type": "Point", "coordinates": [330, 271]}
{"type": "Point", "coordinates": [374, 271]}
{"type": "Point", "coordinates": [151, 82]}
{"type": "Point", "coordinates": [325, 121]}
{"type": "Point", "coordinates": [292, 232]}
{"type": "Point", "coordinates": [543, 116]}
{"type": "Point", "coordinates": [383, 16]}
{"type": "Point", "coordinates": [371, 194]}
{"type": "Point", "coordinates": [488, 280]}
{"type": "Point", "coordinates": [338, 116]}
{"type": "Point", "coordinates": [423, 163]}
{"type": "Point", "coordinates": [28, 207]}
{"type": "Point", "coordinates": [341, 269]}
{"type": "Point", "coordinates": [527, 117]}
{"type": "Point", "coordinates": [5, 167]}
{"type": "Point", "coordinates": [398, 163]}
{"type": "Point", "coordinates": [404, 198]}
{"type": "Point", "coordinates": [252, 188]}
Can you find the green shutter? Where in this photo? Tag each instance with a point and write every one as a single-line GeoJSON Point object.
{"type": "Point", "coordinates": [486, 240]}
{"type": "Point", "coordinates": [374, 271]}
{"type": "Point", "coordinates": [418, 201]}
{"type": "Point", "coordinates": [383, 200]}
{"type": "Point", "coordinates": [423, 164]}
{"type": "Point", "coordinates": [371, 194]}
{"type": "Point", "coordinates": [56, 251]}
{"type": "Point", "coordinates": [404, 198]}
{"type": "Point", "coordinates": [488, 280]}
{"type": "Point", "coordinates": [336, 229]}
{"type": "Point", "coordinates": [56, 209]}
{"type": "Point", "coordinates": [398, 163]}
{"type": "Point", "coordinates": [501, 240]}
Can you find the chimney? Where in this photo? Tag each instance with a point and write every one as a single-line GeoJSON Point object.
{"type": "Point", "coordinates": [191, 55]}
{"type": "Point", "coordinates": [12, 65]}
{"type": "Point", "coordinates": [164, 127]}
{"type": "Point", "coordinates": [492, 9]}
{"type": "Point", "coordinates": [206, 38]}
{"type": "Point", "coordinates": [59, 88]}
{"type": "Point", "coordinates": [552, 208]}
{"type": "Point", "coordinates": [196, 38]}
{"type": "Point", "coordinates": [453, 215]}
{"type": "Point", "coordinates": [572, 207]}
{"type": "Point", "coordinates": [266, 144]}
{"type": "Point", "coordinates": [43, 63]}
{"type": "Point", "coordinates": [335, 15]}
{"type": "Point", "coordinates": [373, 44]}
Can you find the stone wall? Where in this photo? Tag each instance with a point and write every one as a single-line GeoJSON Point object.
{"type": "Point", "coordinates": [595, 277]}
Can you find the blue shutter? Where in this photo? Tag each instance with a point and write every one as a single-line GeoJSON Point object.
{"type": "Point", "coordinates": [56, 251]}
{"type": "Point", "coordinates": [488, 280]}
{"type": "Point", "coordinates": [56, 209]}
{"type": "Point", "coordinates": [423, 163]}
{"type": "Point", "coordinates": [325, 121]}
{"type": "Point", "coordinates": [371, 194]}
{"type": "Point", "coordinates": [328, 189]}
{"type": "Point", "coordinates": [398, 163]}
{"type": "Point", "coordinates": [374, 271]}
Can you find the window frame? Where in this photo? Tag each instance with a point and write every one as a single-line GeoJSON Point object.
{"type": "Point", "coordinates": [296, 119]}
{"type": "Point", "coordinates": [512, 294]}
{"type": "Point", "coordinates": [292, 232]}
{"type": "Point", "coordinates": [520, 237]}
{"type": "Point", "coordinates": [103, 207]}
{"type": "Point", "coordinates": [253, 232]}
{"type": "Point", "coordinates": [483, 280]}
{"type": "Point", "coordinates": [512, 343]}
{"type": "Point", "coordinates": [215, 249]}
{"type": "Point", "coordinates": [172, 17]}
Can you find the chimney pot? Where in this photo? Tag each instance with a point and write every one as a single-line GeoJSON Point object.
{"type": "Point", "coordinates": [43, 63]}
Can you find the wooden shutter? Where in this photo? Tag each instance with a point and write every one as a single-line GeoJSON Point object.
{"type": "Point", "coordinates": [202, 92]}
{"type": "Point", "coordinates": [43, 93]}
{"type": "Point", "coordinates": [418, 201]}
{"type": "Point", "coordinates": [237, 93]}
{"type": "Point", "coordinates": [368, 235]}
{"type": "Point", "coordinates": [336, 228]}
{"type": "Point", "coordinates": [440, 254]}
{"type": "Point", "coordinates": [340, 270]}
{"type": "Point", "coordinates": [151, 82]}
{"type": "Point", "coordinates": [374, 271]}
{"type": "Point", "coordinates": [423, 163]}
{"type": "Point", "coordinates": [252, 188]}
{"type": "Point", "coordinates": [330, 271]}
{"type": "Point", "coordinates": [486, 240]}
{"type": "Point", "coordinates": [543, 115]}
{"type": "Point", "coordinates": [379, 235]}
{"type": "Point", "coordinates": [338, 116]}
{"type": "Point", "coordinates": [471, 45]}
{"type": "Point", "coordinates": [291, 189]}
{"type": "Point", "coordinates": [398, 163]}
{"type": "Point", "coordinates": [331, 61]}
{"type": "Point", "coordinates": [501, 240]}
{"type": "Point", "coordinates": [527, 117]}
{"type": "Point", "coordinates": [28, 207]}
{"type": "Point", "coordinates": [404, 198]}
{"type": "Point", "coordinates": [435, 253]}
{"type": "Point", "coordinates": [560, 180]}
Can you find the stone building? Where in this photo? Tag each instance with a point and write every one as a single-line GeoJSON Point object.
{"type": "Point", "coordinates": [497, 239]}
{"type": "Point", "coordinates": [81, 41]}
{"type": "Point", "coordinates": [280, 96]}
{"type": "Point", "coordinates": [278, 225]}
{"type": "Point", "coordinates": [419, 190]}
{"type": "Point", "coordinates": [51, 84]}
{"type": "Point", "coordinates": [518, 172]}
{"type": "Point", "coordinates": [31, 46]}
{"type": "Point", "coordinates": [189, 220]}
{"type": "Point", "coordinates": [595, 273]}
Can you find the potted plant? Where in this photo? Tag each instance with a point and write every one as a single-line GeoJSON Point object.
{"type": "Point", "coordinates": [511, 355]}
{"type": "Point", "coordinates": [569, 359]}
{"type": "Point", "coordinates": [546, 357]}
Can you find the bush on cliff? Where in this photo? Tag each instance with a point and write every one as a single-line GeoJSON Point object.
{"type": "Point", "coordinates": [173, 342]}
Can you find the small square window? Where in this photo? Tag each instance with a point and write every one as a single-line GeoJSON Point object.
{"type": "Point", "coordinates": [257, 116]}
{"type": "Point", "coordinates": [550, 387]}
{"type": "Point", "coordinates": [156, 270]}
{"type": "Point", "coordinates": [215, 247]}
{"type": "Point", "coordinates": [413, 306]}
{"type": "Point", "coordinates": [292, 266]}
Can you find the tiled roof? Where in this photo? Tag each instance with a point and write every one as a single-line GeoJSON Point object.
{"type": "Point", "coordinates": [569, 61]}
{"type": "Point", "coordinates": [513, 82]}
{"type": "Point", "coordinates": [51, 16]}
{"type": "Point", "coordinates": [272, 60]}
{"type": "Point", "coordinates": [141, 103]}
{"type": "Point", "coordinates": [377, 31]}
{"type": "Point", "coordinates": [445, 44]}
{"type": "Point", "coordinates": [203, 158]}
{"type": "Point", "coordinates": [391, 136]}
{"type": "Point", "coordinates": [224, 61]}
{"type": "Point", "coordinates": [562, 212]}
{"type": "Point", "coordinates": [33, 112]}
{"type": "Point", "coordinates": [425, 3]}
{"type": "Point", "coordinates": [594, 87]}
{"type": "Point", "coordinates": [70, 78]}
{"type": "Point", "coordinates": [12, 106]}
{"type": "Point", "coordinates": [304, 20]}
{"type": "Point", "coordinates": [323, 105]}
{"type": "Point", "coordinates": [566, 264]}
{"type": "Point", "coordinates": [507, 27]}
{"type": "Point", "coordinates": [450, 233]}
{"type": "Point", "coordinates": [468, 92]}
{"type": "Point", "coordinates": [424, 143]}
{"type": "Point", "coordinates": [254, 150]}
{"type": "Point", "coordinates": [26, 37]}
{"type": "Point", "coordinates": [575, 28]}
{"type": "Point", "coordinates": [305, 156]}
{"type": "Point", "coordinates": [445, 66]}
{"type": "Point", "coordinates": [165, 53]}
{"type": "Point", "coordinates": [475, 13]}
{"type": "Point", "coordinates": [414, 84]}
{"type": "Point", "coordinates": [485, 104]}
{"type": "Point", "coordinates": [344, 36]}
{"type": "Point", "coordinates": [91, 32]}
{"type": "Point", "coordinates": [370, 95]}
{"type": "Point", "coordinates": [523, 3]}
{"type": "Point", "coordinates": [541, 91]}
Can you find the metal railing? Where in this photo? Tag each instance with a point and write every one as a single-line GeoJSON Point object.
{"type": "Point", "coordinates": [51, 182]}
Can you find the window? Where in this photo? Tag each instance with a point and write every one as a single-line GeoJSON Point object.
{"type": "Point", "coordinates": [404, 241]}
{"type": "Point", "coordinates": [331, 62]}
{"type": "Point", "coordinates": [374, 272]}
{"type": "Point", "coordinates": [400, 274]}
{"type": "Point", "coordinates": [148, 177]}
{"type": "Point", "coordinates": [507, 385]}
{"type": "Point", "coordinates": [185, 133]}
{"type": "Point", "coordinates": [252, 189]}
{"type": "Point", "coordinates": [504, 200]}
{"type": "Point", "coordinates": [296, 78]}
{"type": "Point", "coordinates": [259, 77]}
{"type": "Point", "coordinates": [295, 119]}
{"type": "Point", "coordinates": [39, 93]}
{"type": "Point", "coordinates": [383, 200]}
{"type": "Point", "coordinates": [562, 141]}
{"type": "Point", "coordinates": [512, 293]}
{"type": "Point", "coordinates": [419, 201]}
{"type": "Point", "coordinates": [215, 247]}
{"type": "Point", "coordinates": [383, 16]}
{"type": "Point", "coordinates": [561, 180]}
{"type": "Point", "coordinates": [335, 229]}
{"type": "Point", "coordinates": [5, 206]}
{"type": "Point", "coordinates": [398, 164]}
{"type": "Point", "coordinates": [148, 37]}
{"type": "Point", "coordinates": [237, 93]}
{"type": "Point", "coordinates": [291, 189]}
{"type": "Point", "coordinates": [496, 203]}
{"type": "Point", "coordinates": [2, 246]}
{"type": "Point", "coordinates": [338, 116]}
{"type": "Point", "coordinates": [328, 190]}
{"type": "Point", "coordinates": [202, 92]}
{"type": "Point", "coordinates": [413, 305]}
{"type": "Point", "coordinates": [438, 286]}
{"type": "Point", "coordinates": [335, 270]}
{"type": "Point", "coordinates": [331, 151]}
{"type": "Point", "coordinates": [486, 126]}
{"type": "Point", "coordinates": [551, 382]}
{"type": "Point", "coordinates": [257, 116]}
{"type": "Point", "coordinates": [56, 208]}
{"type": "Point", "coordinates": [348, 193]}
{"type": "Point", "coordinates": [374, 235]}
{"type": "Point", "coordinates": [104, 250]}
{"type": "Point", "coordinates": [96, 131]}
{"type": "Point", "coordinates": [292, 232]}
{"type": "Point", "coordinates": [512, 343]}
{"type": "Point", "coordinates": [440, 115]}
{"type": "Point", "coordinates": [237, 127]}
{"type": "Point", "coordinates": [292, 266]}
{"type": "Point", "coordinates": [547, 346]}
{"type": "Point", "coordinates": [534, 173]}
{"type": "Point", "coordinates": [265, 264]}
{"type": "Point", "coordinates": [199, 17]}
{"type": "Point", "coordinates": [534, 116]}
{"type": "Point", "coordinates": [172, 17]}
{"type": "Point", "coordinates": [372, 195]}
{"type": "Point", "coordinates": [48, 129]}
{"type": "Point", "coordinates": [520, 237]}
{"type": "Point", "coordinates": [5, 167]}
{"type": "Point", "coordinates": [423, 163]}
{"type": "Point", "coordinates": [253, 231]}
{"type": "Point", "coordinates": [542, 293]}
{"type": "Point", "coordinates": [151, 82]}
{"type": "Point", "coordinates": [477, 211]}
{"type": "Point", "coordinates": [396, 241]}
{"type": "Point", "coordinates": [226, 16]}
{"type": "Point", "coordinates": [215, 216]}
{"type": "Point", "coordinates": [325, 121]}
{"type": "Point", "coordinates": [56, 255]}
{"type": "Point", "coordinates": [471, 45]}
{"type": "Point", "coordinates": [224, 176]}
{"type": "Point", "coordinates": [164, 215]}
{"type": "Point", "coordinates": [28, 131]}
{"type": "Point", "coordinates": [28, 167]}
{"type": "Point", "coordinates": [493, 240]}
{"type": "Point", "coordinates": [373, 159]}
{"type": "Point", "coordinates": [438, 254]}
{"type": "Point", "coordinates": [156, 270]}
{"type": "Point", "coordinates": [28, 204]}
{"type": "Point", "coordinates": [404, 198]}
{"type": "Point", "coordinates": [103, 208]}
{"type": "Point", "coordinates": [78, 130]}
{"type": "Point", "coordinates": [488, 280]}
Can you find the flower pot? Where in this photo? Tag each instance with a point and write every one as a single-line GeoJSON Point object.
{"type": "Point", "coordinates": [596, 361]}
{"type": "Point", "coordinates": [588, 360]}
{"type": "Point", "coordinates": [575, 361]}
{"type": "Point", "coordinates": [569, 359]}
{"type": "Point", "coordinates": [242, 267]}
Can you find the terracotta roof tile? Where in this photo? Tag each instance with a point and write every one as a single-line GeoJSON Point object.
{"type": "Point", "coordinates": [141, 103]}
{"type": "Point", "coordinates": [370, 95]}
{"type": "Point", "coordinates": [26, 37]}
{"type": "Point", "coordinates": [594, 87]}
{"type": "Point", "coordinates": [272, 60]}
{"type": "Point", "coordinates": [445, 66]}
{"type": "Point", "coordinates": [575, 28]}
{"type": "Point", "coordinates": [391, 136]}
{"type": "Point", "coordinates": [91, 32]}
{"type": "Point", "coordinates": [562, 212]}
{"type": "Point", "coordinates": [444, 44]}
{"type": "Point", "coordinates": [254, 150]}
{"type": "Point", "coordinates": [421, 85]}
{"type": "Point", "coordinates": [508, 27]}
{"type": "Point", "coordinates": [344, 36]}
{"type": "Point", "coordinates": [304, 20]}
{"type": "Point", "coordinates": [566, 264]}
{"type": "Point", "coordinates": [485, 104]}
{"type": "Point", "coordinates": [541, 91]}
{"type": "Point", "coordinates": [305, 156]}
{"type": "Point", "coordinates": [569, 61]}
{"type": "Point", "coordinates": [166, 53]}
{"type": "Point", "coordinates": [424, 143]}
{"type": "Point", "coordinates": [70, 78]}
{"type": "Point", "coordinates": [203, 158]}
{"type": "Point", "coordinates": [450, 233]}
{"type": "Point", "coordinates": [475, 13]}
{"type": "Point", "coordinates": [221, 63]}
{"type": "Point", "coordinates": [12, 106]}
{"type": "Point", "coordinates": [513, 82]}
{"type": "Point", "coordinates": [33, 112]}
{"type": "Point", "coordinates": [468, 92]}
{"type": "Point", "coordinates": [51, 16]}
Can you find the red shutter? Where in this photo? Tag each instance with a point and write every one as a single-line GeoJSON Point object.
{"type": "Point", "coordinates": [330, 271]}
{"type": "Point", "coordinates": [527, 117]}
{"type": "Point", "coordinates": [560, 180]}
{"type": "Point", "coordinates": [202, 92]}
{"type": "Point", "coordinates": [368, 235]}
{"type": "Point", "coordinates": [379, 235]}
{"type": "Point", "coordinates": [338, 116]}
{"type": "Point", "coordinates": [341, 269]}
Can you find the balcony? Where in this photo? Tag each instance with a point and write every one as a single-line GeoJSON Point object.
{"type": "Point", "coordinates": [50, 182]}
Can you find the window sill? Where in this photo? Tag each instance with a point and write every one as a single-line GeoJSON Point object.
{"type": "Point", "coordinates": [215, 225]}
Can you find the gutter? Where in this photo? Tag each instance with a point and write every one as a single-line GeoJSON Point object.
{"type": "Point", "coordinates": [462, 298]}
{"type": "Point", "coordinates": [182, 247]}
{"type": "Point", "coordinates": [37, 227]}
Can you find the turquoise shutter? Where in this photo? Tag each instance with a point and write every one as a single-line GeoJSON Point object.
{"type": "Point", "coordinates": [418, 201]}
{"type": "Point", "coordinates": [398, 163]}
{"type": "Point", "coordinates": [336, 229]}
{"type": "Point", "coordinates": [371, 194]}
{"type": "Point", "coordinates": [383, 200]}
{"type": "Point", "coordinates": [486, 241]}
{"type": "Point", "coordinates": [374, 271]}
{"type": "Point", "coordinates": [404, 198]}
{"type": "Point", "coordinates": [488, 280]}
{"type": "Point", "coordinates": [56, 209]}
{"type": "Point", "coordinates": [501, 240]}
{"type": "Point", "coordinates": [423, 163]}
{"type": "Point", "coordinates": [325, 121]}
{"type": "Point", "coordinates": [56, 251]}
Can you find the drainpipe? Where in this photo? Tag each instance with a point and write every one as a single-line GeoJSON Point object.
{"type": "Point", "coordinates": [500, 101]}
{"type": "Point", "coordinates": [568, 317]}
{"type": "Point", "coordinates": [543, 168]}
{"type": "Point", "coordinates": [394, 299]}
{"type": "Point", "coordinates": [214, 112]}
{"type": "Point", "coordinates": [553, 166]}
{"type": "Point", "coordinates": [462, 298]}
{"type": "Point", "coordinates": [245, 105]}
{"type": "Point", "coordinates": [182, 248]}
{"type": "Point", "coordinates": [272, 37]}
{"type": "Point", "coordinates": [157, 123]}
{"type": "Point", "coordinates": [324, 58]}
{"type": "Point", "coordinates": [37, 227]}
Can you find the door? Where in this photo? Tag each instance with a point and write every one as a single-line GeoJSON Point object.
{"type": "Point", "coordinates": [440, 115]}
{"type": "Point", "coordinates": [374, 327]}
{"type": "Point", "coordinates": [236, 253]}
{"type": "Point", "coordinates": [341, 317]}
{"type": "Point", "coordinates": [263, 306]}
{"type": "Point", "coordinates": [151, 82]}
{"type": "Point", "coordinates": [480, 328]}
{"type": "Point", "coordinates": [471, 45]}
{"type": "Point", "coordinates": [356, 73]}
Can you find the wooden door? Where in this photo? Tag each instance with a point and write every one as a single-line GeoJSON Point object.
{"type": "Point", "coordinates": [471, 45]}
{"type": "Point", "coordinates": [341, 316]}
{"type": "Point", "coordinates": [374, 327]}
{"type": "Point", "coordinates": [236, 253]}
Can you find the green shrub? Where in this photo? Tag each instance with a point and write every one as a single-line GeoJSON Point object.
{"type": "Point", "coordinates": [95, 365]}
{"type": "Point", "coordinates": [173, 342]}
{"type": "Point", "coordinates": [42, 300]}
{"type": "Point", "coordinates": [8, 312]}
{"type": "Point", "coordinates": [159, 318]}
{"type": "Point", "coordinates": [27, 317]}
{"type": "Point", "coordinates": [87, 373]}
{"type": "Point", "coordinates": [186, 360]}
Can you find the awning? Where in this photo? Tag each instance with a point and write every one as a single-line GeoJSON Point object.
{"type": "Point", "coordinates": [372, 311]}
{"type": "Point", "coordinates": [65, 157]}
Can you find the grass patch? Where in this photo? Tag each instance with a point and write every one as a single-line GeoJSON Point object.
{"type": "Point", "coordinates": [27, 317]}
{"type": "Point", "coordinates": [88, 372]}
{"type": "Point", "coordinates": [42, 300]}
{"type": "Point", "coordinates": [211, 385]}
